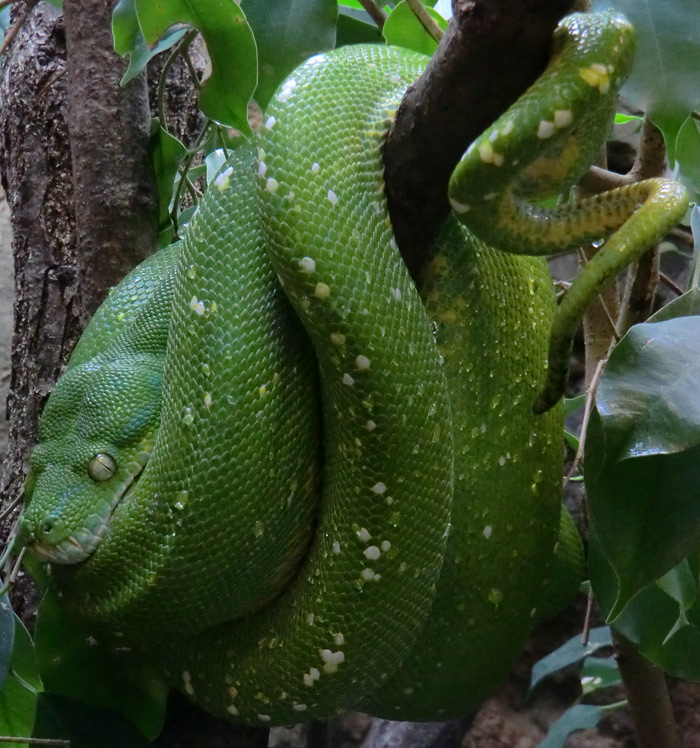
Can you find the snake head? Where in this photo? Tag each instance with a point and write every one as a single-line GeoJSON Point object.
{"type": "Point", "coordinates": [95, 439]}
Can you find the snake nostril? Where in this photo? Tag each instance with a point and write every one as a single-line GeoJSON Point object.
{"type": "Point", "coordinates": [47, 525]}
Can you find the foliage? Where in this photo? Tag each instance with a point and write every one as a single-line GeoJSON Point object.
{"type": "Point", "coordinates": [643, 444]}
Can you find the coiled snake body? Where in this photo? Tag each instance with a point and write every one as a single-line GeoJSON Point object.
{"type": "Point", "coordinates": [177, 490]}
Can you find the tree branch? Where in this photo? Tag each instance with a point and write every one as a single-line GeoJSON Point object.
{"type": "Point", "coordinates": [454, 101]}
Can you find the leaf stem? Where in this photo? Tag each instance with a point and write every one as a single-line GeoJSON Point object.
{"type": "Point", "coordinates": [426, 20]}
{"type": "Point", "coordinates": [178, 49]}
{"type": "Point", "coordinates": [374, 12]}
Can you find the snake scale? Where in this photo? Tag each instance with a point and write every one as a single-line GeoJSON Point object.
{"type": "Point", "coordinates": [297, 480]}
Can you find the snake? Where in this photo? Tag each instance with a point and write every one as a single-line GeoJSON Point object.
{"type": "Point", "coordinates": [298, 479]}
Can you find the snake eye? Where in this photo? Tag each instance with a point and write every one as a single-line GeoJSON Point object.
{"type": "Point", "coordinates": [102, 467]}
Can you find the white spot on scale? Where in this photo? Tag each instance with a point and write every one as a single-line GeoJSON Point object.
{"type": "Point", "coordinates": [310, 619]}
{"type": "Point", "coordinates": [272, 185]}
{"type": "Point", "coordinates": [311, 677]}
{"type": "Point", "coordinates": [386, 545]}
{"type": "Point", "coordinates": [396, 293]}
{"type": "Point", "coordinates": [197, 306]}
{"type": "Point", "coordinates": [563, 118]}
{"type": "Point", "coordinates": [337, 338]}
{"type": "Point", "coordinates": [322, 291]}
{"type": "Point", "coordinates": [395, 78]}
{"type": "Point", "coordinates": [270, 122]}
{"type": "Point", "coordinates": [379, 488]}
{"type": "Point", "coordinates": [299, 707]}
{"type": "Point", "coordinates": [222, 179]}
{"type": "Point", "coordinates": [307, 265]}
{"type": "Point", "coordinates": [372, 553]}
{"type": "Point", "coordinates": [491, 196]}
{"type": "Point", "coordinates": [459, 207]}
{"type": "Point", "coordinates": [486, 152]}
{"type": "Point", "coordinates": [368, 575]}
{"type": "Point", "coordinates": [348, 380]}
{"type": "Point", "coordinates": [332, 660]}
{"type": "Point", "coordinates": [207, 400]}
{"type": "Point", "coordinates": [370, 425]}
{"type": "Point", "coordinates": [332, 197]}
{"type": "Point", "coordinates": [264, 717]}
{"type": "Point", "coordinates": [336, 548]}
{"type": "Point", "coordinates": [502, 460]}
{"type": "Point", "coordinates": [362, 362]}
{"type": "Point", "coordinates": [545, 130]}
{"type": "Point", "coordinates": [488, 530]}
{"type": "Point", "coordinates": [231, 709]}
{"type": "Point", "coordinates": [187, 682]}
{"type": "Point", "coordinates": [339, 639]}
{"type": "Point", "coordinates": [363, 534]}
{"type": "Point", "coordinates": [508, 128]}
{"type": "Point", "coordinates": [314, 168]}
{"type": "Point", "coordinates": [262, 168]}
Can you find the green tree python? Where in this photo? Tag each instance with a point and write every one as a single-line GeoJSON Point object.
{"type": "Point", "coordinates": [300, 483]}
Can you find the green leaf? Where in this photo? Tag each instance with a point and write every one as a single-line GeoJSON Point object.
{"type": "Point", "coordinates": [688, 156]}
{"type": "Point", "coordinates": [129, 41]}
{"type": "Point", "coordinates": [643, 454]}
{"type": "Point", "coordinates": [287, 32]}
{"type": "Point", "coordinates": [687, 305]}
{"type": "Point", "coordinates": [573, 651]}
{"type": "Point", "coordinates": [650, 618]}
{"type": "Point", "coordinates": [167, 154]}
{"type": "Point", "coordinates": [403, 29]}
{"type": "Point", "coordinates": [579, 717]}
{"type": "Point", "coordinates": [231, 46]}
{"type": "Point", "coordinates": [7, 636]}
{"type": "Point", "coordinates": [621, 119]}
{"type": "Point", "coordinates": [351, 30]}
{"type": "Point", "coordinates": [664, 82]}
{"type": "Point", "coordinates": [85, 726]}
{"type": "Point", "coordinates": [573, 405]}
{"type": "Point", "coordinates": [93, 667]}
{"type": "Point", "coordinates": [599, 672]}
{"type": "Point", "coordinates": [19, 693]}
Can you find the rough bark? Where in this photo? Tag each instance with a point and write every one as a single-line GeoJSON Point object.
{"type": "Point", "coordinates": [35, 166]}
{"type": "Point", "coordinates": [492, 51]}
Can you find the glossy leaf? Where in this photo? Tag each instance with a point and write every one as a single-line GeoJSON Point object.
{"type": "Point", "coordinates": [129, 41]}
{"type": "Point", "coordinates": [599, 672]}
{"type": "Point", "coordinates": [351, 30]}
{"type": "Point", "coordinates": [7, 636]}
{"type": "Point", "coordinates": [167, 153]}
{"type": "Point", "coordinates": [286, 33]}
{"type": "Point", "coordinates": [573, 651]}
{"type": "Point", "coordinates": [650, 618]}
{"type": "Point", "coordinates": [84, 725]}
{"type": "Point", "coordinates": [688, 156]}
{"type": "Point", "coordinates": [403, 29]}
{"type": "Point", "coordinates": [643, 454]}
{"type": "Point", "coordinates": [225, 95]}
{"type": "Point", "coordinates": [83, 664]}
{"type": "Point", "coordinates": [19, 693]}
{"type": "Point", "coordinates": [579, 717]}
{"type": "Point", "coordinates": [664, 82]}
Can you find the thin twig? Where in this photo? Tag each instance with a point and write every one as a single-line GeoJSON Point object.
{"type": "Point", "coordinates": [5, 3]}
{"type": "Point", "coordinates": [184, 168]}
{"type": "Point", "coordinates": [670, 284]}
{"type": "Point", "coordinates": [179, 48]}
{"type": "Point", "coordinates": [426, 20]}
{"type": "Point", "coordinates": [586, 633]}
{"type": "Point", "coordinates": [590, 397]}
{"type": "Point", "coordinates": [17, 25]}
{"type": "Point", "coordinates": [374, 12]}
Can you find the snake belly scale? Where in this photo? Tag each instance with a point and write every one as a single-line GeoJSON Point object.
{"type": "Point", "coordinates": [270, 464]}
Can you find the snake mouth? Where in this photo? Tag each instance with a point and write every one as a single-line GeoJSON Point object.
{"type": "Point", "coordinates": [77, 546]}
